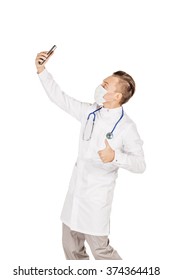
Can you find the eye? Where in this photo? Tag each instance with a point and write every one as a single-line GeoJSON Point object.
{"type": "Point", "coordinates": [105, 85]}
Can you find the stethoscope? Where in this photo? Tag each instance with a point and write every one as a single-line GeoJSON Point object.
{"type": "Point", "coordinates": [109, 135]}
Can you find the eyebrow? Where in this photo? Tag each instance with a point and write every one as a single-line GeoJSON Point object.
{"type": "Point", "coordinates": [105, 82]}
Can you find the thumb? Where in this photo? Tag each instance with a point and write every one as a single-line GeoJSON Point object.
{"type": "Point", "coordinates": [107, 143]}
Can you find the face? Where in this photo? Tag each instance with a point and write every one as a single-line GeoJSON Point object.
{"type": "Point", "coordinates": [111, 84]}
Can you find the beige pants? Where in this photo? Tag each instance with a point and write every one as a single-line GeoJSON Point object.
{"type": "Point", "coordinates": [74, 247]}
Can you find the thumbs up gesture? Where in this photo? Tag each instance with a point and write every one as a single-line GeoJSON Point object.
{"type": "Point", "coordinates": [107, 154]}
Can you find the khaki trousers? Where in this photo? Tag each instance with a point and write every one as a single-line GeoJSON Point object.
{"type": "Point", "coordinates": [74, 247]}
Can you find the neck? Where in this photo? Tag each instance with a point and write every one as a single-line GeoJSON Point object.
{"type": "Point", "coordinates": [110, 105]}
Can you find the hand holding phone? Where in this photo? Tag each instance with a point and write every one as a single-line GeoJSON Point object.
{"type": "Point", "coordinates": [48, 54]}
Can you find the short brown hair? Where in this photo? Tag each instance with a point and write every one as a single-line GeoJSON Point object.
{"type": "Point", "coordinates": [127, 85]}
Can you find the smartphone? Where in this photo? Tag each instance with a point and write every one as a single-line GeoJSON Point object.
{"type": "Point", "coordinates": [49, 53]}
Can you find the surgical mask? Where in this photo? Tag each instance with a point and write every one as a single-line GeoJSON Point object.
{"type": "Point", "coordinates": [99, 93]}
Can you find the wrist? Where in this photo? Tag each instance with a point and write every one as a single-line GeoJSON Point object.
{"type": "Point", "coordinates": [40, 69]}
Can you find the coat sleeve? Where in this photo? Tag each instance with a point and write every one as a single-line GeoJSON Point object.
{"type": "Point", "coordinates": [131, 156]}
{"type": "Point", "coordinates": [70, 105]}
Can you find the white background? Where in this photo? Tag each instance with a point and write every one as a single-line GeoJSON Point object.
{"type": "Point", "coordinates": [39, 142]}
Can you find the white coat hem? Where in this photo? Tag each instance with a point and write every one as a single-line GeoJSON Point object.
{"type": "Point", "coordinates": [84, 232]}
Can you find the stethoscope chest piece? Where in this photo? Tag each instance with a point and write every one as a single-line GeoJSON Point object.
{"type": "Point", "coordinates": [109, 135]}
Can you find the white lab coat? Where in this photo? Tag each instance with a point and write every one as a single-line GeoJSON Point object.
{"type": "Point", "coordinates": [87, 205]}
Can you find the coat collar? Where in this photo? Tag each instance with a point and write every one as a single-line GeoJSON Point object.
{"type": "Point", "coordinates": [111, 113]}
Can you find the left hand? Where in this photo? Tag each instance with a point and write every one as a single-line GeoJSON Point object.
{"type": "Point", "coordinates": [107, 154]}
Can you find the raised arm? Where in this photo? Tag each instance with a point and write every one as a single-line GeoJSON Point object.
{"type": "Point", "coordinates": [69, 104]}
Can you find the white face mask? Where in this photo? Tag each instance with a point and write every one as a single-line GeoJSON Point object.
{"type": "Point", "coordinates": [99, 93]}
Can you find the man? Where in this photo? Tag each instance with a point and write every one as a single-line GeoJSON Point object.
{"type": "Point", "coordinates": [108, 140]}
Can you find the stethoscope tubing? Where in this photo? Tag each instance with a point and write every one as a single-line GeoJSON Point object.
{"type": "Point", "coordinates": [122, 114]}
{"type": "Point", "coordinates": [94, 114]}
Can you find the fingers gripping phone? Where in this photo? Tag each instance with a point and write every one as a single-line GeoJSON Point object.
{"type": "Point", "coordinates": [49, 53]}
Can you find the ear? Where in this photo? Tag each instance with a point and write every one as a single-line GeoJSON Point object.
{"type": "Point", "coordinates": [118, 96]}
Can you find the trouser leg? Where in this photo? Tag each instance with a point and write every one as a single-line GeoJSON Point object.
{"type": "Point", "coordinates": [101, 249]}
{"type": "Point", "coordinates": [73, 244]}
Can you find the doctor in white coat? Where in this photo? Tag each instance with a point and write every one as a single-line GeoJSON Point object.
{"type": "Point", "coordinates": [108, 140]}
